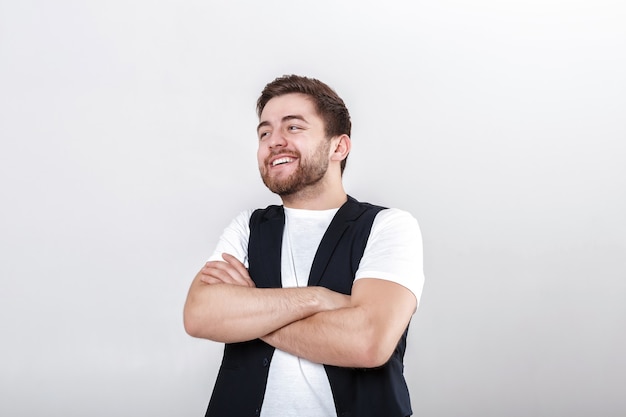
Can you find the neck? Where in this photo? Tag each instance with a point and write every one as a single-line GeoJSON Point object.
{"type": "Point", "coordinates": [316, 197]}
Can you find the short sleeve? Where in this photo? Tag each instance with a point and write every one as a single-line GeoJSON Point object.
{"type": "Point", "coordinates": [234, 239]}
{"type": "Point", "coordinates": [394, 251]}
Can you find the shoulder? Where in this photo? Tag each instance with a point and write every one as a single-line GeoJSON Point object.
{"type": "Point", "coordinates": [268, 212]}
{"type": "Point", "coordinates": [387, 219]}
{"type": "Point", "coordinates": [394, 218]}
{"type": "Point", "coordinates": [395, 213]}
{"type": "Point", "coordinates": [395, 229]}
{"type": "Point", "coordinates": [243, 218]}
{"type": "Point", "coordinates": [239, 226]}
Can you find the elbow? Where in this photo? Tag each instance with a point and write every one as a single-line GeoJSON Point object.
{"type": "Point", "coordinates": [191, 323]}
{"type": "Point", "coordinates": [195, 323]}
{"type": "Point", "coordinates": [374, 350]}
{"type": "Point", "coordinates": [373, 355]}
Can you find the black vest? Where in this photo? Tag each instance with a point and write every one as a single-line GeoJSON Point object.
{"type": "Point", "coordinates": [240, 385]}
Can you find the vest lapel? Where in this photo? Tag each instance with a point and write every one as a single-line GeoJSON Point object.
{"type": "Point", "coordinates": [271, 228]}
{"type": "Point", "coordinates": [344, 218]}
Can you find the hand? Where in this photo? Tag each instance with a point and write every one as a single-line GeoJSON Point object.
{"type": "Point", "coordinates": [229, 271]}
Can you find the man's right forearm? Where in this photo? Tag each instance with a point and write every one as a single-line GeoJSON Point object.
{"type": "Point", "coordinates": [232, 313]}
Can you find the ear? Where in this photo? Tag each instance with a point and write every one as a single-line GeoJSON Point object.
{"type": "Point", "coordinates": [340, 148]}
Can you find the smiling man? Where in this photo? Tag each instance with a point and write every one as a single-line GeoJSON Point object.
{"type": "Point", "coordinates": [312, 298]}
{"type": "Point", "coordinates": [294, 152]}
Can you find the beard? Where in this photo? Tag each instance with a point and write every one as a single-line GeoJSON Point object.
{"type": "Point", "coordinates": [309, 172]}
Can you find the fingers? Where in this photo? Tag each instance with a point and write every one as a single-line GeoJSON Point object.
{"type": "Point", "coordinates": [221, 272]}
{"type": "Point", "coordinates": [240, 267]}
{"type": "Point", "coordinates": [229, 271]}
{"type": "Point", "coordinates": [213, 272]}
{"type": "Point", "coordinates": [210, 280]}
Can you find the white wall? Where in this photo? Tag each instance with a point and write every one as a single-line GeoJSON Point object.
{"type": "Point", "coordinates": [127, 143]}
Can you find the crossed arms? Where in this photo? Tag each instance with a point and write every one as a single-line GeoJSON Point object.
{"type": "Point", "coordinates": [315, 323]}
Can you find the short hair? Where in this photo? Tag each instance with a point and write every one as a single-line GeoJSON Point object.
{"type": "Point", "coordinates": [328, 104]}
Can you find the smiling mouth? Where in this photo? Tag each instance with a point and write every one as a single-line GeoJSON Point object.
{"type": "Point", "coordinates": [281, 161]}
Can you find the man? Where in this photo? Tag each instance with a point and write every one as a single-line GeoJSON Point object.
{"type": "Point", "coordinates": [312, 298]}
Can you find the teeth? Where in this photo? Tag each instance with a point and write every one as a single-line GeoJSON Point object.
{"type": "Point", "coordinates": [281, 161]}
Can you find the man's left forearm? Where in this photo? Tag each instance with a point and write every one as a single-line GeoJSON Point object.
{"type": "Point", "coordinates": [337, 337]}
{"type": "Point", "coordinates": [363, 335]}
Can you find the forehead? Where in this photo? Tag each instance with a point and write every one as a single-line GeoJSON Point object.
{"type": "Point", "coordinates": [287, 105]}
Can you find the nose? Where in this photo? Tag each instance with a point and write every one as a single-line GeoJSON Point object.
{"type": "Point", "coordinates": [276, 139]}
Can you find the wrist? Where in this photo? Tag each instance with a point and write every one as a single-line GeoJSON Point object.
{"type": "Point", "coordinates": [314, 300]}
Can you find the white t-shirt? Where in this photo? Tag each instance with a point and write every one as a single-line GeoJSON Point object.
{"type": "Point", "coordinates": [297, 387]}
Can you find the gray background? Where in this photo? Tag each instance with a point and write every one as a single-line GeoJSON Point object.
{"type": "Point", "coordinates": [128, 143]}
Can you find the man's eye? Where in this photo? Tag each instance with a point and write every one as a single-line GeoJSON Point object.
{"type": "Point", "coordinates": [292, 128]}
{"type": "Point", "coordinates": [263, 134]}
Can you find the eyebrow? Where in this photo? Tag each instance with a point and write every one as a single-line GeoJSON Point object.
{"type": "Point", "coordinates": [284, 119]}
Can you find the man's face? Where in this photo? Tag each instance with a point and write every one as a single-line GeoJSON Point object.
{"type": "Point", "coordinates": [293, 150]}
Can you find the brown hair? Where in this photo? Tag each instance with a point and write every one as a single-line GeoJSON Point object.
{"type": "Point", "coordinates": [328, 104]}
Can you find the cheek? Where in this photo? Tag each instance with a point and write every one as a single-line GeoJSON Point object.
{"type": "Point", "coordinates": [261, 157]}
